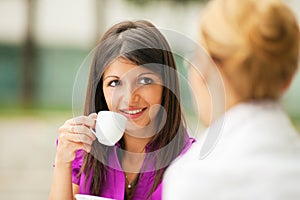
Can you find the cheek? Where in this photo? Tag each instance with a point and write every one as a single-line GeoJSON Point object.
{"type": "Point", "coordinates": [202, 96]}
{"type": "Point", "coordinates": [108, 95]}
{"type": "Point", "coordinates": [153, 95]}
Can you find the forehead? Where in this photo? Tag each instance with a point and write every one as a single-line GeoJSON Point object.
{"type": "Point", "coordinates": [121, 67]}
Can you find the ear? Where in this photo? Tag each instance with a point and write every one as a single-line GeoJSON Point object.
{"type": "Point", "coordinates": [288, 83]}
{"type": "Point", "coordinates": [217, 61]}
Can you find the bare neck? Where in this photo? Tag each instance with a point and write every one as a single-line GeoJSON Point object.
{"type": "Point", "coordinates": [134, 144]}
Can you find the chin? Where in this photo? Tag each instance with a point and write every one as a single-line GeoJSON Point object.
{"type": "Point", "coordinates": [205, 120]}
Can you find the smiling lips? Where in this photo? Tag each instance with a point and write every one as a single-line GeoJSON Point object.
{"type": "Point", "coordinates": [133, 113]}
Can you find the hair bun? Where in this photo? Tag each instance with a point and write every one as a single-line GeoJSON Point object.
{"type": "Point", "coordinates": [271, 34]}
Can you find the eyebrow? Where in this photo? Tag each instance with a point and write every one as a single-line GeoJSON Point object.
{"type": "Point", "coordinates": [142, 74]}
{"type": "Point", "coordinates": [145, 73]}
{"type": "Point", "coordinates": [110, 76]}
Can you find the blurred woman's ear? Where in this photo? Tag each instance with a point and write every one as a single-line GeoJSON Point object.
{"type": "Point", "coordinates": [288, 83]}
{"type": "Point", "coordinates": [217, 61]}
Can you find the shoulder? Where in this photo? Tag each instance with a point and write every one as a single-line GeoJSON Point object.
{"type": "Point", "coordinates": [76, 166]}
{"type": "Point", "coordinates": [188, 143]}
{"type": "Point", "coordinates": [255, 130]}
{"type": "Point", "coordinates": [79, 156]}
{"type": "Point", "coordinates": [240, 179]}
{"type": "Point", "coordinates": [250, 159]}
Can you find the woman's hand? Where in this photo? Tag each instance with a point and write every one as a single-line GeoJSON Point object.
{"type": "Point", "coordinates": [75, 134]}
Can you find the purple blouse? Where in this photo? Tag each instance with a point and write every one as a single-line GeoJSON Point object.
{"type": "Point", "coordinates": [114, 186]}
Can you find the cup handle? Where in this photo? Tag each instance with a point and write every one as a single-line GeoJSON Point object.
{"type": "Point", "coordinates": [93, 131]}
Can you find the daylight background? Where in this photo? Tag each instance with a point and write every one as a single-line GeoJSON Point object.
{"type": "Point", "coordinates": [43, 43]}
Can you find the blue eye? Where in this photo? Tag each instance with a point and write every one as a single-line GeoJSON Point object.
{"type": "Point", "coordinates": [145, 81]}
{"type": "Point", "coordinates": [114, 83]}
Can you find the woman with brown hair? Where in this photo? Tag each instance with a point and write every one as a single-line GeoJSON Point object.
{"type": "Point", "coordinates": [250, 150]}
{"type": "Point", "coordinates": [133, 73]}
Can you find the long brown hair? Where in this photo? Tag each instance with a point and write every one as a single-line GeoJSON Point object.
{"type": "Point", "coordinates": [141, 43]}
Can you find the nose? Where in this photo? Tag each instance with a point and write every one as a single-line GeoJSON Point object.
{"type": "Point", "coordinates": [131, 96]}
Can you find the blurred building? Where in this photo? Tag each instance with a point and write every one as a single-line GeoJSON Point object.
{"type": "Point", "coordinates": [63, 32]}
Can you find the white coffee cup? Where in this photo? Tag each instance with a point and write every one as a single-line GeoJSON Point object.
{"type": "Point", "coordinates": [110, 127]}
{"type": "Point", "coordinates": [89, 197]}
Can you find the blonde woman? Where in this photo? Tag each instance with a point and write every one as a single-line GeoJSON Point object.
{"type": "Point", "coordinates": [254, 47]}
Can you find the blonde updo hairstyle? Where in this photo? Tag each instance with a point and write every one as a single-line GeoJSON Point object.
{"type": "Point", "coordinates": [255, 43]}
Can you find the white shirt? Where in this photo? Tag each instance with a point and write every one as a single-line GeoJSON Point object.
{"type": "Point", "coordinates": [256, 156]}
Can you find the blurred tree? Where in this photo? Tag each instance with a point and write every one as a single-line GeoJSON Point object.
{"type": "Point", "coordinates": [28, 65]}
{"type": "Point", "coordinates": [144, 2]}
{"type": "Point", "coordinates": [100, 12]}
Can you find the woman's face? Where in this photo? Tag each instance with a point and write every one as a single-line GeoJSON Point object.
{"type": "Point", "coordinates": [201, 92]}
{"type": "Point", "coordinates": [208, 89]}
{"type": "Point", "coordinates": [133, 91]}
